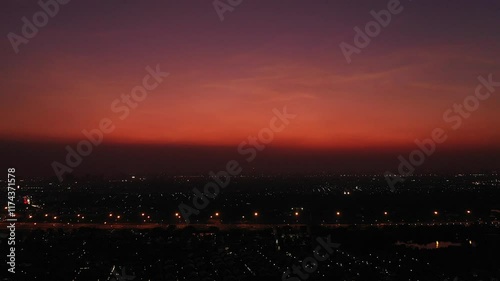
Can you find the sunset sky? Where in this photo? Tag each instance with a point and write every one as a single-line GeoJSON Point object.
{"type": "Point", "coordinates": [227, 76]}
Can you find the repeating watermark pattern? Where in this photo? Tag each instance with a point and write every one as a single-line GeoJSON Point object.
{"type": "Point", "coordinates": [11, 219]}
{"type": "Point", "coordinates": [310, 264]}
{"type": "Point", "coordinates": [121, 106]}
{"type": "Point", "coordinates": [223, 6]}
{"type": "Point", "coordinates": [362, 39]}
{"type": "Point", "coordinates": [454, 116]}
{"type": "Point", "coordinates": [248, 148]}
{"type": "Point", "coordinates": [40, 19]}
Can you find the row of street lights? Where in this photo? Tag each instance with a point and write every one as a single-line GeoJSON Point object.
{"type": "Point", "coordinates": [217, 214]}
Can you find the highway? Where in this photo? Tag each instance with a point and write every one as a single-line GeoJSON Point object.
{"type": "Point", "coordinates": [110, 226]}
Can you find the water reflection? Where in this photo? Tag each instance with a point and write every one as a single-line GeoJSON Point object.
{"type": "Point", "coordinates": [434, 245]}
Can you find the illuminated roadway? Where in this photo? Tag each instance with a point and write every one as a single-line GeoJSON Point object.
{"type": "Point", "coordinates": [222, 226]}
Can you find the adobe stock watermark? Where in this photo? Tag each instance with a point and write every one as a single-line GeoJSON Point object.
{"type": "Point", "coordinates": [121, 106]}
{"type": "Point", "coordinates": [453, 116]}
{"type": "Point", "coordinates": [11, 219]}
{"type": "Point", "coordinates": [40, 19]}
{"type": "Point", "coordinates": [310, 264]}
{"type": "Point", "coordinates": [223, 6]}
{"type": "Point", "coordinates": [120, 276]}
{"type": "Point", "coordinates": [248, 148]}
{"type": "Point", "coordinates": [372, 29]}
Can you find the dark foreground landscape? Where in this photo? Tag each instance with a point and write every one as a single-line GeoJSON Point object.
{"type": "Point", "coordinates": [321, 227]}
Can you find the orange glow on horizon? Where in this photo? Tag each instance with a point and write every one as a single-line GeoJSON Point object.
{"type": "Point", "coordinates": [334, 110]}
